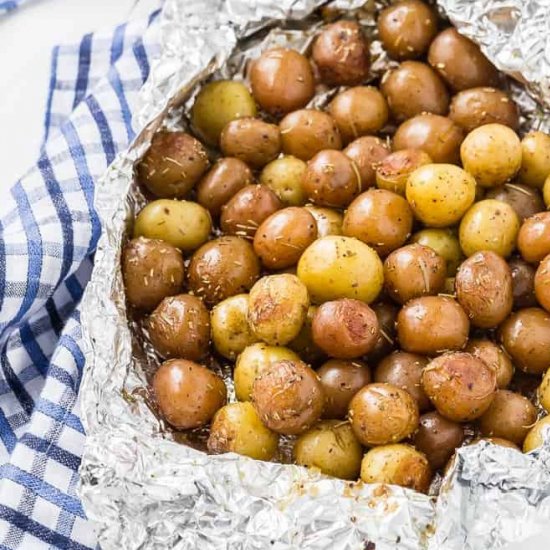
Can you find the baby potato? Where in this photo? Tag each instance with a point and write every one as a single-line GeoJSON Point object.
{"type": "Point", "coordinates": [510, 416]}
{"type": "Point", "coordinates": [483, 286]}
{"type": "Point", "coordinates": [307, 131]}
{"type": "Point", "coordinates": [247, 209]}
{"type": "Point", "coordinates": [277, 308]}
{"type": "Point", "coordinates": [382, 413]}
{"type": "Point", "coordinates": [431, 325]}
{"type": "Point", "coordinates": [394, 170]}
{"type": "Point", "coordinates": [303, 344]}
{"type": "Point", "coordinates": [288, 397]}
{"type": "Point", "coordinates": [404, 370]}
{"type": "Point", "coordinates": [535, 159]}
{"type": "Point", "coordinates": [461, 386]}
{"type": "Point", "coordinates": [222, 268]}
{"type": "Point", "coordinates": [281, 239]}
{"type": "Point", "coordinates": [379, 218]}
{"type": "Point", "coordinates": [152, 270]}
{"type": "Point", "coordinates": [282, 81]}
{"type": "Point", "coordinates": [251, 140]}
{"type": "Point", "coordinates": [543, 391]}
{"type": "Point", "coordinates": [413, 271]}
{"type": "Point", "coordinates": [331, 447]}
{"type": "Point", "coordinates": [489, 225]}
{"type": "Point", "coordinates": [542, 283]}
{"type": "Point", "coordinates": [237, 428]}
{"type": "Point", "coordinates": [175, 381]}
{"type": "Point", "coordinates": [523, 283]}
{"type": "Point", "coordinates": [525, 336]}
{"type": "Point", "coordinates": [367, 152]}
{"type": "Point", "coordinates": [534, 237]}
{"type": "Point", "coordinates": [492, 154]}
{"type": "Point", "coordinates": [252, 361]}
{"type": "Point", "coordinates": [172, 165]}
{"type": "Point", "coordinates": [230, 331]}
{"type": "Point", "coordinates": [387, 316]}
{"type": "Point", "coordinates": [497, 441]}
{"type": "Point", "coordinates": [341, 380]}
{"type": "Point", "coordinates": [359, 111]}
{"type": "Point", "coordinates": [341, 54]}
{"type": "Point", "coordinates": [224, 179]}
{"type": "Point", "coordinates": [535, 437]}
{"type": "Point", "coordinates": [494, 356]}
{"type": "Point", "coordinates": [329, 221]}
{"type": "Point", "coordinates": [341, 267]}
{"type": "Point", "coordinates": [546, 192]}
{"type": "Point", "coordinates": [284, 177]}
{"type": "Point", "coordinates": [183, 224]}
{"type": "Point", "coordinates": [440, 194]}
{"type": "Point", "coordinates": [345, 328]}
{"type": "Point", "coordinates": [217, 104]}
{"type": "Point", "coordinates": [397, 464]}
{"type": "Point", "coordinates": [445, 243]}
{"type": "Point", "coordinates": [525, 200]}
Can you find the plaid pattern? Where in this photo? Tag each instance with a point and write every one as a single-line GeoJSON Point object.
{"type": "Point", "coordinates": [48, 233]}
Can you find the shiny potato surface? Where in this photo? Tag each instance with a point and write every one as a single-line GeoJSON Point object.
{"type": "Point", "coordinates": [534, 237]}
{"type": "Point", "coordinates": [525, 200]}
{"type": "Point", "coordinates": [367, 153]}
{"type": "Point", "coordinates": [393, 171]}
{"type": "Point", "coordinates": [445, 243]}
{"type": "Point", "coordinates": [493, 355]}
{"type": "Point", "coordinates": [284, 177]}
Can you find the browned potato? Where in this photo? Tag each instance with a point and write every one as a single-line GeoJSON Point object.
{"type": "Point", "coordinates": [247, 209]}
{"type": "Point", "coordinates": [382, 413]}
{"type": "Point", "coordinates": [525, 335]}
{"type": "Point", "coordinates": [397, 464]}
{"type": "Point", "coordinates": [461, 386]}
{"type": "Point", "coordinates": [414, 88]}
{"type": "Point", "coordinates": [281, 239]}
{"type": "Point", "coordinates": [306, 132]}
{"type": "Point", "coordinates": [222, 268]}
{"type": "Point", "coordinates": [394, 170]}
{"type": "Point", "coordinates": [341, 54]}
{"type": "Point", "coordinates": [367, 152]}
{"type": "Point", "coordinates": [359, 111]}
{"type": "Point", "coordinates": [386, 314]}
{"type": "Point", "coordinates": [543, 391]}
{"type": "Point", "coordinates": [251, 140]}
{"type": "Point", "coordinates": [180, 327]}
{"type": "Point", "coordinates": [341, 380]}
{"type": "Point", "coordinates": [445, 242]}
{"type": "Point", "coordinates": [523, 283]}
{"type": "Point", "coordinates": [329, 221]}
{"type": "Point", "coordinates": [406, 28]}
{"type": "Point", "coordinates": [535, 437]}
{"type": "Point", "coordinates": [288, 397]}
{"type": "Point", "coordinates": [404, 370]}
{"type": "Point", "coordinates": [178, 379]}
{"type": "Point", "coordinates": [303, 344]}
{"type": "Point", "coordinates": [436, 135]}
{"type": "Point", "coordinates": [345, 328]}
{"type": "Point", "coordinates": [478, 106]}
{"type": "Point", "coordinates": [438, 437]}
{"type": "Point", "coordinates": [224, 179]}
{"type": "Point", "coordinates": [282, 81]}
{"type": "Point", "coordinates": [526, 201]}
{"type": "Point", "coordinates": [542, 283]}
{"type": "Point", "coordinates": [534, 237]}
{"type": "Point", "coordinates": [494, 356]}
{"type": "Point", "coordinates": [413, 271]}
{"type": "Point", "coordinates": [331, 179]}
{"type": "Point", "coordinates": [535, 159]}
{"type": "Point", "coordinates": [152, 270]}
{"type": "Point", "coordinates": [174, 162]}
{"type": "Point", "coordinates": [483, 286]}
{"type": "Point", "coordinates": [284, 177]}
{"type": "Point", "coordinates": [431, 325]}
{"type": "Point", "coordinates": [460, 62]}
{"type": "Point", "coordinates": [498, 441]}
{"type": "Point", "coordinates": [379, 218]}
{"type": "Point", "coordinates": [509, 416]}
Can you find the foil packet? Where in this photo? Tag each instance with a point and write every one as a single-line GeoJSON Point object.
{"type": "Point", "coordinates": [145, 489]}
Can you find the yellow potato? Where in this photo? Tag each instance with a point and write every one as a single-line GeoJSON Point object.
{"type": "Point", "coordinates": [284, 177]}
{"type": "Point", "coordinates": [546, 192]}
{"type": "Point", "coordinates": [329, 220]}
{"type": "Point", "coordinates": [535, 159]}
{"type": "Point", "coordinates": [544, 391]}
{"type": "Point", "coordinates": [445, 243]}
{"type": "Point", "coordinates": [535, 437]}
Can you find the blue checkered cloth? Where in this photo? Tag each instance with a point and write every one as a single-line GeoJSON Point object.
{"type": "Point", "coordinates": [48, 233]}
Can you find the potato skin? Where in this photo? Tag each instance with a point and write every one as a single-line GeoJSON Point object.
{"type": "Point", "coordinates": [542, 283]}
{"type": "Point", "coordinates": [461, 386]}
{"type": "Point", "coordinates": [345, 328]}
{"type": "Point", "coordinates": [304, 345]}
{"type": "Point", "coordinates": [431, 325]}
{"type": "Point", "coordinates": [180, 327]}
{"type": "Point", "coordinates": [394, 170]}
{"type": "Point", "coordinates": [175, 381]}
{"type": "Point", "coordinates": [382, 413]}
{"type": "Point", "coordinates": [288, 397]}
{"type": "Point", "coordinates": [525, 200]}
{"type": "Point", "coordinates": [329, 220]}
{"type": "Point", "coordinates": [152, 270]}
{"type": "Point", "coordinates": [237, 428]}
{"type": "Point", "coordinates": [445, 243]}
{"type": "Point", "coordinates": [543, 391]}
{"type": "Point", "coordinates": [535, 159]}
{"type": "Point", "coordinates": [387, 315]}
{"type": "Point", "coordinates": [284, 177]}
{"type": "Point", "coordinates": [534, 438]}
{"type": "Point", "coordinates": [367, 152]}
{"type": "Point", "coordinates": [523, 283]}
{"type": "Point", "coordinates": [483, 286]}
{"type": "Point", "coordinates": [534, 237]}
{"type": "Point", "coordinates": [495, 357]}
{"type": "Point", "coordinates": [331, 447]}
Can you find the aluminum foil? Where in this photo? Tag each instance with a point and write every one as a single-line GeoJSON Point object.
{"type": "Point", "coordinates": [141, 487]}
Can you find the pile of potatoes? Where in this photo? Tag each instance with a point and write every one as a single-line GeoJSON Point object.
{"type": "Point", "coordinates": [377, 273]}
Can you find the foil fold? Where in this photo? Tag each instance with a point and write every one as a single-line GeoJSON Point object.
{"type": "Point", "coordinates": [140, 487]}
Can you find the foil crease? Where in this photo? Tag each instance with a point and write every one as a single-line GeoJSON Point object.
{"type": "Point", "coordinates": [139, 486]}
